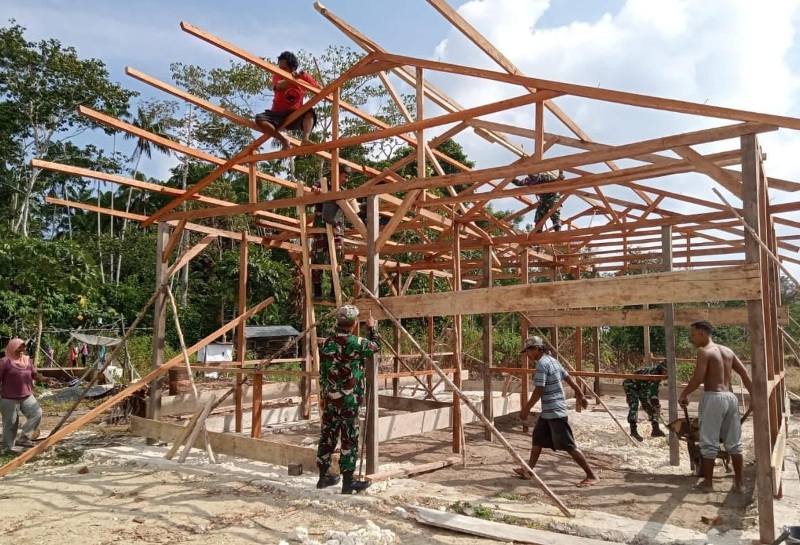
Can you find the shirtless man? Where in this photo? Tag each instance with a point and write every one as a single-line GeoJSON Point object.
{"type": "Point", "coordinates": [719, 408]}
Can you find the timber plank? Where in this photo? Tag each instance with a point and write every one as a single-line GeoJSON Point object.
{"type": "Point", "coordinates": [240, 446]}
{"type": "Point", "coordinates": [723, 284]}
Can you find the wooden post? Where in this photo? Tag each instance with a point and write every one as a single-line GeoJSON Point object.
{"type": "Point", "coordinates": [488, 408]}
{"type": "Point", "coordinates": [373, 273]}
{"type": "Point", "coordinates": [159, 323]}
{"type": "Point", "coordinates": [554, 330]}
{"type": "Point", "coordinates": [647, 350]}
{"type": "Point", "coordinates": [458, 426]}
{"type": "Point", "coordinates": [396, 341]}
{"type": "Point", "coordinates": [579, 360]}
{"type": "Point", "coordinates": [525, 325]}
{"type": "Point", "coordinates": [198, 427]}
{"type": "Point", "coordinates": [255, 425]}
{"type": "Point", "coordinates": [310, 341]}
{"type": "Point", "coordinates": [241, 341]}
{"type": "Point", "coordinates": [669, 349]}
{"type": "Point", "coordinates": [596, 356]}
{"type": "Point", "coordinates": [253, 181]}
{"type": "Point", "coordinates": [751, 195]}
{"type": "Point", "coordinates": [431, 287]}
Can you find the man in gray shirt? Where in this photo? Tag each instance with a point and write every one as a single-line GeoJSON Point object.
{"type": "Point", "coordinates": [552, 429]}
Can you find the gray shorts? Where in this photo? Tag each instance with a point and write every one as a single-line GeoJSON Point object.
{"type": "Point", "coordinates": [719, 423]}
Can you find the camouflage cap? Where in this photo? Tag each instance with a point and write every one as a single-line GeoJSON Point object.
{"type": "Point", "coordinates": [532, 342]}
{"type": "Point", "coordinates": [347, 315]}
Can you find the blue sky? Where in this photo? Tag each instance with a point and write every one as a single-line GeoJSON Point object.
{"type": "Point", "coordinates": [722, 52]}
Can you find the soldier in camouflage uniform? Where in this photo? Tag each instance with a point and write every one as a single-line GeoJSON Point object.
{"type": "Point", "coordinates": [319, 244]}
{"type": "Point", "coordinates": [646, 393]}
{"type": "Point", "coordinates": [546, 200]}
{"type": "Point", "coordinates": [342, 384]}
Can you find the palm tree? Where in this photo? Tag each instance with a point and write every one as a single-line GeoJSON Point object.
{"type": "Point", "coordinates": [148, 119]}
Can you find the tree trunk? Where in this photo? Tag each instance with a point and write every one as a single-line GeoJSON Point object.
{"type": "Point", "coordinates": [39, 322]}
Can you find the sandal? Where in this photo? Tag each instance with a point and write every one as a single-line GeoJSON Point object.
{"type": "Point", "coordinates": [520, 473]}
{"type": "Point", "coordinates": [587, 482]}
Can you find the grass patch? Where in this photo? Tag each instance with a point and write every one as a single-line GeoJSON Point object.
{"type": "Point", "coordinates": [488, 513]}
{"type": "Point", "coordinates": [477, 511]}
{"type": "Point", "coordinates": [511, 496]}
{"type": "Point", "coordinates": [65, 457]}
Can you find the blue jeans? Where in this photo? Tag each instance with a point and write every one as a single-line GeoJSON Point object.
{"type": "Point", "coordinates": [9, 408]}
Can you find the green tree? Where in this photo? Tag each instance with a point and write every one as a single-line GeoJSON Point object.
{"type": "Point", "coordinates": [45, 272]}
{"type": "Point", "coordinates": [41, 85]}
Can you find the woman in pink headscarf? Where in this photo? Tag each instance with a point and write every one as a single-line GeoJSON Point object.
{"type": "Point", "coordinates": [16, 394]}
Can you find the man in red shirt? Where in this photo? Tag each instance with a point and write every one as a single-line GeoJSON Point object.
{"type": "Point", "coordinates": [288, 98]}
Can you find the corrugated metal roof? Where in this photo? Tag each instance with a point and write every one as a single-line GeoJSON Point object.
{"type": "Point", "coordinates": [267, 331]}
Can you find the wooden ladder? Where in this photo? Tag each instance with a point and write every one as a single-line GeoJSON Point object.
{"type": "Point", "coordinates": [312, 342]}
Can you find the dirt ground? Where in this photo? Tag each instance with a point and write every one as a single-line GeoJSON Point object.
{"type": "Point", "coordinates": [636, 481]}
{"type": "Point", "coordinates": [102, 488]}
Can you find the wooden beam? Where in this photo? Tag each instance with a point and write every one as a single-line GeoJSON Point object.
{"type": "Point", "coordinates": [394, 131]}
{"type": "Point", "coordinates": [270, 452]}
{"type": "Point", "coordinates": [409, 471]}
{"type": "Point", "coordinates": [751, 193]}
{"type": "Point", "coordinates": [719, 174]}
{"type": "Point", "coordinates": [653, 317]}
{"type": "Point", "coordinates": [190, 253]}
{"type": "Point", "coordinates": [668, 142]}
{"type": "Point", "coordinates": [287, 223]}
{"type": "Point", "coordinates": [186, 403]}
{"type": "Point", "coordinates": [670, 342]}
{"type": "Point", "coordinates": [372, 426]}
{"type": "Point", "coordinates": [173, 241]}
{"type": "Point", "coordinates": [607, 95]}
{"type": "Point", "coordinates": [777, 461]}
{"type": "Point", "coordinates": [723, 284]}
{"type": "Point", "coordinates": [488, 357]}
{"type": "Point", "coordinates": [241, 340]}
{"type": "Point", "coordinates": [159, 323]}
{"type": "Point", "coordinates": [189, 226]}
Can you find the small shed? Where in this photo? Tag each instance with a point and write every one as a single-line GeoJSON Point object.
{"type": "Point", "coordinates": [266, 340]}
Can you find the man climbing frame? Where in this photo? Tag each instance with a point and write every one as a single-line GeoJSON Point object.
{"type": "Point", "coordinates": [546, 200]}
{"type": "Point", "coordinates": [330, 213]}
{"type": "Point", "coordinates": [342, 381]}
{"type": "Point", "coordinates": [288, 98]}
{"type": "Point", "coordinates": [644, 392]}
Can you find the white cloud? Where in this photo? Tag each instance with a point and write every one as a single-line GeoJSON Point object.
{"type": "Point", "coordinates": [723, 52]}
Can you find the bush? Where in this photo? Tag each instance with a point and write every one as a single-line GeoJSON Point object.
{"type": "Point", "coordinates": [140, 348]}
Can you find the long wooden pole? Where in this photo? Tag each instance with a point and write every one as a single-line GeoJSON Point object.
{"type": "Point", "coordinates": [159, 324]}
{"type": "Point", "coordinates": [762, 444]}
{"type": "Point", "coordinates": [113, 400]}
{"type": "Point", "coordinates": [488, 358]}
{"type": "Point", "coordinates": [669, 350]}
{"type": "Point", "coordinates": [456, 391]}
{"type": "Point", "coordinates": [185, 353]}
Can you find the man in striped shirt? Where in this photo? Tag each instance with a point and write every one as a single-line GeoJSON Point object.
{"type": "Point", "coordinates": [552, 429]}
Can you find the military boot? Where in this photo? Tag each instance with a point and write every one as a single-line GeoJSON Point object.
{"type": "Point", "coordinates": [635, 432]}
{"type": "Point", "coordinates": [657, 431]}
{"type": "Point", "coordinates": [326, 479]}
{"type": "Point", "coordinates": [349, 485]}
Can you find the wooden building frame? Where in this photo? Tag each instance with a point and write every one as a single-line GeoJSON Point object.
{"type": "Point", "coordinates": [715, 253]}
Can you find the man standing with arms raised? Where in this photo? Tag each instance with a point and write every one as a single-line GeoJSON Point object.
{"type": "Point", "coordinates": [719, 408]}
